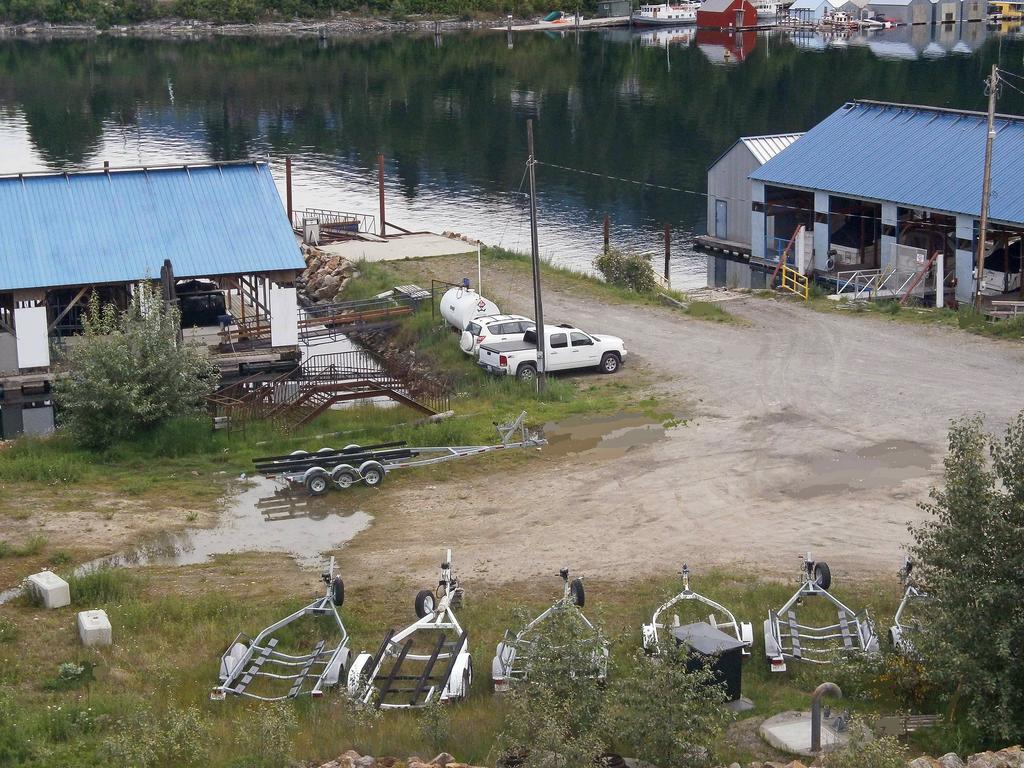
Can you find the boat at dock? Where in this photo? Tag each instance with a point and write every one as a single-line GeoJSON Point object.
{"type": "Point", "coordinates": [767, 9]}
{"type": "Point", "coordinates": [666, 15]}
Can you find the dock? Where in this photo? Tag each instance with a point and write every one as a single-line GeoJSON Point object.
{"type": "Point", "coordinates": [395, 248]}
{"type": "Point", "coordinates": [609, 21]}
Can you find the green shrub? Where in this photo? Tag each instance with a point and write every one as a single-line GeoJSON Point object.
{"type": "Point", "coordinates": [627, 270]}
{"type": "Point", "coordinates": [104, 585]}
{"type": "Point", "coordinates": [33, 546]}
{"type": "Point", "coordinates": [267, 736]}
{"type": "Point", "coordinates": [860, 752]}
{"type": "Point", "coordinates": [70, 676]}
{"type": "Point", "coordinates": [36, 460]}
{"type": "Point", "coordinates": [175, 739]}
{"type": "Point", "coordinates": [8, 630]}
{"type": "Point", "coordinates": [128, 373]}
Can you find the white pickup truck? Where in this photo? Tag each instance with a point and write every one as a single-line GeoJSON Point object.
{"type": "Point", "coordinates": [566, 348]}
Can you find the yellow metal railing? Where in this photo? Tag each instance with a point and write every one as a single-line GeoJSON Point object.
{"type": "Point", "coordinates": [794, 282]}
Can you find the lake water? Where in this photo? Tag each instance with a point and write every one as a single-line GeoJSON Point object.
{"type": "Point", "coordinates": [449, 115]}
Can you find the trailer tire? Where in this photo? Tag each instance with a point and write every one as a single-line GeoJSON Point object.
{"type": "Point", "coordinates": [326, 450]}
{"type": "Point", "coordinates": [822, 575]}
{"type": "Point", "coordinates": [892, 638]}
{"type": "Point", "coordinates": [338, 591]}
{"type": "Point", "coordinates": [345, 476]}
{"type": "Point", "coordinates": [577, 593]}
{"type": "Point", "coordinates": [610, 362]}
{"type": "Point", "coordinates": [526, 372]}
{"type": "Point", "coordinates": [317, 483]}
{"type": "Point", "coordinates": [299, 453]}
{"type": "Point", "coordinates": [372, 473]}
{"type": "Point", "coordinates": [352, 447]}
{"type": "Point", "coordinates": [424, 603]}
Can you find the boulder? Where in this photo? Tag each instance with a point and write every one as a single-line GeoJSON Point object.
{"type": "Point", "coordinates": [795, 764]}
{"type": "Point", "coordinates": [1004, 758]}
{"type": "Point", "coordinates": [950, 760]}
{"type": "Point", "coordinates": [443, 759]}
{"type": "Point", "coordinates": [366, 761]}
{"type": "Point", "coordinates": [924, 761]}
{"type": "Point", "coordinates": [386, 762]}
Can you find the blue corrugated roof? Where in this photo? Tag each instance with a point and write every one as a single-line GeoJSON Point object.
{"type": "Point", "coordinates": [116, 226]}
{"type": "Point", "coordinates": [915, 156]}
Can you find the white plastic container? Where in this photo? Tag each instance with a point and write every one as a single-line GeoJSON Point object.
{"type": "Point", "coordinates": [50, 588]}
{"type": "Point", "coordinates": [460, 305]}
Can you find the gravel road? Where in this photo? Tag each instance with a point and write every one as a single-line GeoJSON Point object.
{"type": "Point", "coordinates": [806, 431]}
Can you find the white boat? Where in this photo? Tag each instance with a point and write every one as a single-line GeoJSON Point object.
{"type": "Point", "coordinates": [767, 9]}
{"type": "Point", "coordinates": [665, 15]}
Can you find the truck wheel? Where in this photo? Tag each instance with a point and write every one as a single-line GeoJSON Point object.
{"type": "Point", "coordinates": [317, 483]}
{"type": "Point", "coordinates": [372, 473]}
{"type": "Point", "coordinates": [424, 603]}
{"type": "Point", "coordinates": [338, 591]}
{"type": "Point", "coordinates": [576, 592]}
{"type": "Point", "coordinates": [527, 372]}
{"type": "Point", "coordinates": [822, 575]}
{"type": "Point", "coordinates": [610, 362]}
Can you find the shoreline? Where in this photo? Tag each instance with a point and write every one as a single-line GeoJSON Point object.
{"type": "Point", "coordinates": [173, 28]}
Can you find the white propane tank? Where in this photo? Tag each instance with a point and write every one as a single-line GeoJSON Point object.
{"type": "Point", "coordinates": [461, 304]}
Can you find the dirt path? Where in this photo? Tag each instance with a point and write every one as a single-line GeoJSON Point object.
{"type": "Point", "coordinates": [807, 431]}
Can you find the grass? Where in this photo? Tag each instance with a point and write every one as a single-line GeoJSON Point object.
{"type": "Point", "coordinates": [32, 546]}
{"type": "Point", "coordinates": [168, 640]}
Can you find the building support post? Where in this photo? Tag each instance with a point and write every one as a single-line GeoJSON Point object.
{"type": "Point", "coordinates": [992, 86]}
{"type": "Point", "coordinates": [288, 186]}
{"type": "Point", "coordinates": [668, 254]}
{"type": "Point", "coordinates": [607, 232]}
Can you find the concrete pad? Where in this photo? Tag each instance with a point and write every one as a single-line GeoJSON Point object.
{"type": "Point", "coordinates": [94, 628]}
{"type": "Point", "coordinates": [791, 732]}
{"type": "Point", "coordinates": [742, 704]}
{"type": "Point", "coordinates": [400, 247]}
{"type": "Point", "coordinates": [50, 588]}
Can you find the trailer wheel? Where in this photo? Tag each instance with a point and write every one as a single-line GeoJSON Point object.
{"type": "Point", "coordinates": [424, 603]}
{"type": "Point", "coordinates": [372, 473]}
{"type": "Point", "coordinates": [579, 597]}
{"type": "Point", "coordinates": [352, 447]}
{"type": "Point", "coordinates": [317, 483]}
{"type": "Point", "coordinates": [338, 591]}
{"type": "Point", "coordinates": [299, 453]}
{"type": "Point", "coordinates": [345, 476]}
{"type": "Point", "coordinates": [526, 372]}
{"type": "Point", "coordinates": [822, 575]}
{"type": "Point", "coordinates": [892, 637]}
{"type": "Point", "coordinates": [610, 362]}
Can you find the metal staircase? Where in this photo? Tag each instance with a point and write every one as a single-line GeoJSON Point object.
{"type": "Point", "coordinates": [298, 396]}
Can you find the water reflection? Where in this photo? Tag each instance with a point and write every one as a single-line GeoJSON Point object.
{"type": "Point", "coordinates": [656, 106]}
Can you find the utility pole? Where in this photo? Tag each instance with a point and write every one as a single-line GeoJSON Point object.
{"type": "Point", "coordinates": [668, 254]}
{"type": "Point", "coordinates": [992, 85]}
{"type": "Point", "coordinates": [538, 304]}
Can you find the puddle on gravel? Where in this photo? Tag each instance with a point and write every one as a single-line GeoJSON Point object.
{"type": "Point", "coordinates": [262, 517]}
{"type": "Point", "coordinates": [879, 465]}
{"type": "Point", "coordinates": [606, 437]}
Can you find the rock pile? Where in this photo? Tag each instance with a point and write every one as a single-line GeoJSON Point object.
{"type": "Point", "coordinates": [325, 275]}
{"type": "Point", "coordinates": [1011, 757]}
{"type": "Point", "coordinates": [353, 759]}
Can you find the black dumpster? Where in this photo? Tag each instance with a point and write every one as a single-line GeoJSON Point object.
{"type": "Point", "coordinates": [713, 648]}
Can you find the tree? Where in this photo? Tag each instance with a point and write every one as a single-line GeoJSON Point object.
{"type": "Point", "coordinates": [668, 715]}
{"type": "Point", "coordinates": [627, 270]}
{"type": "Point", "coordinates": [970, 558]}
{"type": "Point", "coordinates": [128, 372]}
{"type": "Point", "coordinates": [556, 717]}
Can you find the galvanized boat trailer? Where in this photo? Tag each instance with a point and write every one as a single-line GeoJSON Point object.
{"type": "Point", "coordinates": [342, 469]}
{"type": "Point", "coordinates": [902, 630]}
{"type": "Point", "coordinates": [743, 632]}
{"type": "Point", "coordinates": [251, 660]}
{"type": "Point", "coordinates": [786, 638]}
{"type": "Point", "coordinates": [512, 659]}
{"type": "Point", "coordinates": [436, 643]}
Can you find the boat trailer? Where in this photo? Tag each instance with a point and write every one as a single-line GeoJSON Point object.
{"type": "Point", "coordinates": [512, 659]}
{"type": "Point", "coordinates": [436, 642]}
{"type": "Point", "coordinates": [902, 629]}
{"type": "Point", "coordinates": [248, 660]}
{"type": "Point", "coordinates": [343, 468]}
{"type": "Point", "coordinates": [742, 631]}
{"type": "Point", "coordinates": [786, 638]}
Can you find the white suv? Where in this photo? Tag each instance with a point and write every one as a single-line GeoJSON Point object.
{"type": "Point", "coordinates": [490, 329]}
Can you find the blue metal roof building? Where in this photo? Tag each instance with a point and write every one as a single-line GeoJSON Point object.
{"type": "Point", "coordinates": [880, 192]}
{"type": "Point", "coordinates": [916, 156]}
{"type": "Point", "coordinates": [116, 226]}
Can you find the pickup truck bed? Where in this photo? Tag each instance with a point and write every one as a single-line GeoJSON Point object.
{"type": "Point", "coordinates": [504, 347]}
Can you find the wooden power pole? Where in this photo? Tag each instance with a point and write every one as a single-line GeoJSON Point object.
{"type": "Point", "coordinates": [380, 190]}
{"type": "Point", "coordinates": [986, 183]}
{"type": "Point", "coordinates": [538, 304]}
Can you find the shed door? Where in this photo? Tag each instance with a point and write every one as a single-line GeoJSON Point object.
{"type": "Point", "coordinates": [722, 219]}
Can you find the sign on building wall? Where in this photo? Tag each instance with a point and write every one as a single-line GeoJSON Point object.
{"type": "Point", "coordinates": [33, 341]}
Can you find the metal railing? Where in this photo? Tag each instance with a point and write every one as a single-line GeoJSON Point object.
{"type": "Point", "coordinates": [775, 247]}
{"type": "Point", "coordinates": [330, 220]}
{"type": "Point", "coordinates": [794, 282]}
{"type": "Point", "coordinates": [874, 283]}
